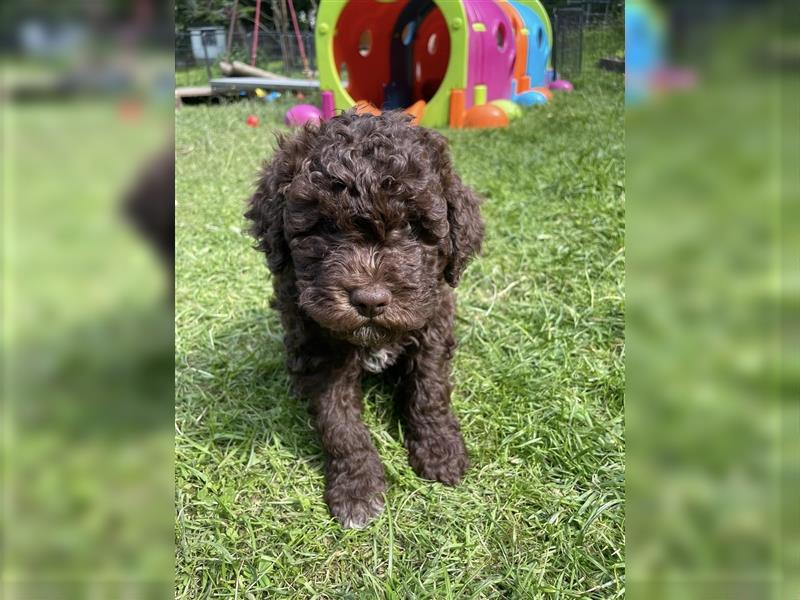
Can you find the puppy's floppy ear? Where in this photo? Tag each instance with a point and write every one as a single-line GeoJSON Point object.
{"type": "Point", "coordinates": [266, 206]}
{"type": "Point", "coordinates": [463, 210]}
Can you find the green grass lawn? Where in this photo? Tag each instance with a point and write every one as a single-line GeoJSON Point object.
{"type": "Point", "coordinates": [86, 406]}
{"type": "Point", "coordinates": [539, 382]}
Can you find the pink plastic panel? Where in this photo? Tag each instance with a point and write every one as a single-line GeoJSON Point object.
{"type": "Point", "coordinates": [491, 52]}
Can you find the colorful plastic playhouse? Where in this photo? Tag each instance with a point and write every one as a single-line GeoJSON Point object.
{"type": "Point", "coordinates": [444, 61]}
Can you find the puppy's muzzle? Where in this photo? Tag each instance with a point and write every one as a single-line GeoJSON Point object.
{"type": "Point", "coordinates": [371, 300]}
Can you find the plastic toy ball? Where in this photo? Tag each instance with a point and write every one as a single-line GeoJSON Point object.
{"type": "Point", "coordinates": [530, 98]}
{"type": "Point", "coordinates": [561, 85]}
{"type": "Point", "coordinates": [512, 109]}
{"type": "Point", "coordinates": [260, 93]}
{"type": "Point", "coordinates": [544, 92]}
{"type": "Point", "coordinates": [252, 121]}
{"type": "Point", "coordinates": [272, 96]}
{"type": "Point", "coordinates": [485, 116]}
{"type": "Point", "coordinates": [302, 114]}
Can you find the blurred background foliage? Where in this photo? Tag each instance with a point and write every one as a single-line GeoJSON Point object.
{"type": "Point", "coordinates": [87, 387]}
{"type": "Point", "coordinates": [711, 370]}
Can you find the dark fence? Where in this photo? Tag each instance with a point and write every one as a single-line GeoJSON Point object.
{"type": "Point", "coordinates": [198, 53]}
{"type": "Point", "coordinates": [568, 24]}
{"type": "Point", "coordinates": [585, 31]}
{"type": "Point", "coordinates": [598, 12]}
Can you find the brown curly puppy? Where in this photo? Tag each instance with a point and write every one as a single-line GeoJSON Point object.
{"type": "Point", "coordinates": [367, 227]}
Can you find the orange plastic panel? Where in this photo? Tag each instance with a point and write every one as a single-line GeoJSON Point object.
{"type": "Point", "coordinates": [416, 110]}
{"type": "Point", "coordinates": [520, 40]}
{"type": "Point", "coordinates": [366, 108]}
{"type": "Point", "coordinates": [457, 103]}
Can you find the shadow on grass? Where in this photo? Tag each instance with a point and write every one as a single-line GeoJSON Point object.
{"type": "Point", "coordinates": [235, 393]}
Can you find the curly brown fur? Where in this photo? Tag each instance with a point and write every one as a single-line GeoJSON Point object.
{"type": "Point", "coordinates": [366, 227]}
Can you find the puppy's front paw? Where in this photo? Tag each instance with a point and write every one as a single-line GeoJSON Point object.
{"type": "Point", "coordinates": [355, 513]}
{"type": "Point", "coordinates": [354, 492]}
{"type": "Point", "coordinates": [439, 456]}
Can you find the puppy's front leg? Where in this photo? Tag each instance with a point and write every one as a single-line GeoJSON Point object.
{"type": "Point", "coordinates": [354, 473]}
{"type": "Point", "coordinates": [436, 449]}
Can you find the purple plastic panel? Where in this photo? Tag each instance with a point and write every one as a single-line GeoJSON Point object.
{"type": "Point", "coordinates": [491, 52]}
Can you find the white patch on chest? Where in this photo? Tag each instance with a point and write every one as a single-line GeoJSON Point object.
{"type": "Point", "coordinates": [379, 359]}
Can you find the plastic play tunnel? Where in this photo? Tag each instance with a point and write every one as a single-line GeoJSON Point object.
{"type": "Point", "coordinates": [395, 54]}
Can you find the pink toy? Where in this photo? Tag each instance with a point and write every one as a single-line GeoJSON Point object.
{"type": "Point", "coordinates": [302, 114]}
{"type": "Point", "coordinates": [561, 85]}
{"type": "Point", "coordinates": [327, 105]}
{"type": "Point", "coordinates": [492, 40]}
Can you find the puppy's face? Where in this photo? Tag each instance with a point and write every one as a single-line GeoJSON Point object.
{"type": "Point", "coordinates": [367, 262]}
{"type": "Point", "coordinates": [369, 219]}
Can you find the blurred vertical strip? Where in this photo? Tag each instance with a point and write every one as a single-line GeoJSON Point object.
{"type": "Point", "coordinates": [87, 246]}
{"type": "Point", "coordinates": [789, 380]}
{"type": "Point", "coordinates": [712, 287]}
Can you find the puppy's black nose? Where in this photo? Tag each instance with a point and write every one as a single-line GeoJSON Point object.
{"type": "Point", "coordinates": [370, 300]}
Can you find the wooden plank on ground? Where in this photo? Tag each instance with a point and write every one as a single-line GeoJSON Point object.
{"type": "Point", "coordinates": [250, 84]}
{"type": "Point", "coordinates": [197, 91]}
